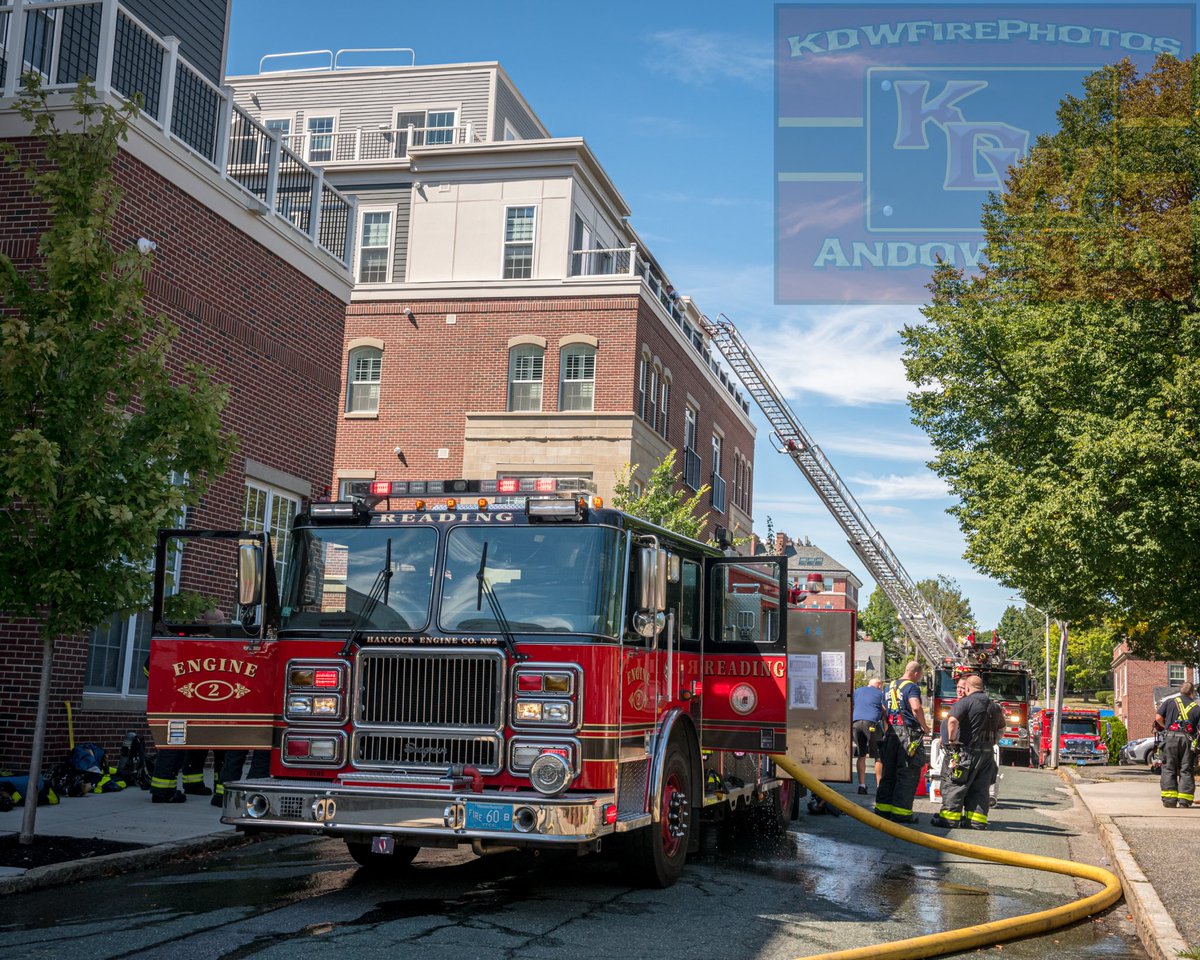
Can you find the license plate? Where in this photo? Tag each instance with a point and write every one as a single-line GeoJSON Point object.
{"type": "Point", "coordinates": [1007, 741]}
{"type": "Point", "coordinates": [489, 816]}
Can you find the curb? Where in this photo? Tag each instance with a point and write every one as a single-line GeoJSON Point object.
{"type": "Point", "coordinates": [1155, 928]}
{"type": "Point", "coordinates": [126, 861]}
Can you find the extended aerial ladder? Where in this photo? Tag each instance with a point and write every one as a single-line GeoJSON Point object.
{"type": "Point", "coordinates": [919, 619]}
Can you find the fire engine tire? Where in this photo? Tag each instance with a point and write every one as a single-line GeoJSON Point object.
{"type": "Point", "coordinates": [773, 815]}
{"type": "Point", "coordinates": [398, 859]}
{"type": "Point", "coordinates": [653, 856]}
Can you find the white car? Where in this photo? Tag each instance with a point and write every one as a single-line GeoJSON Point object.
{"type": "Point", "coordinates": [1139, 752]}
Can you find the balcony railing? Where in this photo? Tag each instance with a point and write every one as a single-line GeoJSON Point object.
{"type": "Point", "coordinates": [365, 145]}
{"type": "Point", "coordinates": [63, 41]}
{"type": "Point", "coordinates": [691, 469]}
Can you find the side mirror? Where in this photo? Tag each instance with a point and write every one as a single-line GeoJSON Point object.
{"type": "Point", "coordinates": [1107, 729]}
{"type": "Point", "coordinates": [651, 615]}
{"type": "Point", "coordinates": [250, 574]}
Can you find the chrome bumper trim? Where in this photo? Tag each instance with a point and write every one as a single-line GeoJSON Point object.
{"type": "Point", "coordinates": [340, 810]}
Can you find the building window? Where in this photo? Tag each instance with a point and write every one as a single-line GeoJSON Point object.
{"type": "Point", "coordinates": [439, 127]}
{"type": "Point", "coordinates": [353, 489]}
{"type": "Point", "coordinates": [718, 484]}
{"type": "Point", "coordinates": [525, 364]}
{"type": "Point", "coordinates": [652, 400]}
{"type": "Point", "coordinates": [282, 125]}
{"type": "Point", "coordinates": [510, 132]}
{"type": "Point", "coordinates": [643, 376]}
{"type": "Point", "coordinates": [1175, 674]}
{"type": "Point", "coordinates": [271, 510]}
{"type": "Point", "coordinates": [691, 459]}
{"type": "Point", "coordinates": [375, 246]}
{"type": "Point", "coordinates": [320, 139]}
{"type": "Point", "coordinates": [663, 396]}
{"type": "Point", "coordinates": [578, 387]}
{"type": "Point", "coordinates": [430, 127]}
{"type": "Point", "coordinates": [366, 369]}
{"type": "Point", "coordinates": [518, 242]}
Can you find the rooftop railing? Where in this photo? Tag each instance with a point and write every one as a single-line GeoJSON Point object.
{"type": "Point", "coordinates": [63, 41]}
{"type": "Point", "coordinates": [379, 144]}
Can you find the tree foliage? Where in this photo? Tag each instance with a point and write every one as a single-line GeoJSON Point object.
{"type": "Point", "coordinates": [1023, 631]}
{"type": "Point", "coordinates": [1089, 657]}
{"type": "Point", "coordinates": [1061, 388]}
{"type": "Point", "coordinates": [97, 429]}
{"type": "Point", "coordinates": [946, 597]}
{"type": "Point", "coordinates": [878, 619]}
{"type": "Point", "coordinates": [662, 500]}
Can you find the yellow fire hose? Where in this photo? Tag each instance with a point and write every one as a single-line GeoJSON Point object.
{"type": "Point", "coordinates": [980, 935]}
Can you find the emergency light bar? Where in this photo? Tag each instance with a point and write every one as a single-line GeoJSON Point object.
{"type": "Point", "coordinates": [502, 485]}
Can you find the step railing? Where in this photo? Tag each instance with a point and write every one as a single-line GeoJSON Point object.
{"type": "Point", "coordinates": [64, 41]}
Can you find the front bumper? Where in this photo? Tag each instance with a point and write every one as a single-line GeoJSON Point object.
{"type": "Point", "coordinates": [1084, 759]}
{"type": "Point", "coordinates": [333, 809]}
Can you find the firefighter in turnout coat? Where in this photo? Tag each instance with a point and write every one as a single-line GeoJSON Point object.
{"type": "Point", "coordinates": [970, 762]}
{"type": "Point", "coordinates": [903, 747]}
{"type": "Point", "coordinates": [1179, 717]}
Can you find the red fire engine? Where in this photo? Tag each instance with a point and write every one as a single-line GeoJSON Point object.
{"type": "Point", "coordinates": [1080, 741]}
{"type": "Point", "coordinates": [1007, 681]}
{"type": "Point", "coordinates": [521, 671]}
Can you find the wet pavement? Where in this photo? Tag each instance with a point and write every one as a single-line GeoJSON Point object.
{"type": "Point", "coordinates": [832, 883]}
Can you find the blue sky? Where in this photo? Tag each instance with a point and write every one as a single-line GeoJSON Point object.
{"type": "Point", "coordinates": [676, 100]}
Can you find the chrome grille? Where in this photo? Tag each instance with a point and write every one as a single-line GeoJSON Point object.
{"type": "Point", "coordinates": [398, 688]}
{"type": "Point", "coordinates": [291, 807]}
{"type": "Point", "coordinates": [415, 751]}
{"type": "Point", "coordinates": [1080, 746]}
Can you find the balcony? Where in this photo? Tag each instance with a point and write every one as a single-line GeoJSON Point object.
{"type": "Point", "coordinates": [366, 145]}
{"type": "Point", "coordinates": [63, 41]}
{"type": "Point", "coordinates": [691, 469]}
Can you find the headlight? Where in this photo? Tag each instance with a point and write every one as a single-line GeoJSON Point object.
{"type": "Point", "coordinates": [556, 712]}
{"type": "Point", "coordinates": [300, 706]}
{"type": "Point", "coordinates": [527, 710]}
{"type": "Point", "coordinates": [325, 706]}
{"type": "Point", "coordinates": [1014, 718]}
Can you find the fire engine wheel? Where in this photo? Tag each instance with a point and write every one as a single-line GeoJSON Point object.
{"type": "Point", "coordinates": [655, 854]}
{"type": "Point", "coordinates": [773, 815]}
{"type": "Point", "coordinates": [400, 858]}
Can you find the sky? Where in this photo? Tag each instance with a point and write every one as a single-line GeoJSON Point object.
{"type": "Point", "coordinates": [677, 102]}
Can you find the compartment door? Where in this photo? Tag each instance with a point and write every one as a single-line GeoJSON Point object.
{"type": "Point", "coordinates": [820, 687]}
{"type": "Point", "coordinates": [744, 655]}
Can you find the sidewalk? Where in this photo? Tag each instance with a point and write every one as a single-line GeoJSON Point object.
{"type": "Point", "coordinates": [164, 831]}
{"type": "Point", "coordinates": [1151, 848]}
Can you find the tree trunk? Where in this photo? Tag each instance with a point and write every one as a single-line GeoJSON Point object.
{"type": "Point", "coordinates": [38, 745]}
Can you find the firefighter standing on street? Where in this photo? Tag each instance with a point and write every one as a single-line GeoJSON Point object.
{"type": "Point", "coordinates": [1179, 718]}
{"type": "Point", "coordinates": [970, 764]}
{"type": "Point", "coordinates": [903, 749]}
{"type": "Point", "coordinates": [168, 763]}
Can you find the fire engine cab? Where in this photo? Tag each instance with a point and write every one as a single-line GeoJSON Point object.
{"type": "Point", "coordinates": [493, 669]}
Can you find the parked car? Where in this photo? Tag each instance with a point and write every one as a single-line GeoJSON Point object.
{"type": "Point", "coordinates": [1142, 751]}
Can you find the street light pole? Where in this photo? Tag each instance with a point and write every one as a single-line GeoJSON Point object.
{"type": "Point", "coordinates": [1058, 693]}
{"type": "Point", "coordinates": [1045, 698]}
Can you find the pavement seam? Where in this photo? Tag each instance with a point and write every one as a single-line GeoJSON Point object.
{"type": "Point", "coordinates": [126, 861]}
{"type": "Point", "coordinates": [1153, 923]}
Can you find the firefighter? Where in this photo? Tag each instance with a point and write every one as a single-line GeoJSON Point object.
{"type": "Point", "coordinates": [1179, 718]}
{"type": "Point", "coordinates": [903, 748]}
{"type": "Point", "coordinates": [231, 770]}
{"type": "Point", "coordinates": [164, 786]}
{"type": "Point", "coordinates": [970, 764]}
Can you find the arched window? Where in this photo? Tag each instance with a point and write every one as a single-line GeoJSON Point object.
{"type": "Point", "coordinates": [366, 366]}
{"type": "Point", "coordinates": [577, 389]}
{"type": "Point", "coordinates": [525, 364]}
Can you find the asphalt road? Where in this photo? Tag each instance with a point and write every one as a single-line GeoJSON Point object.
{"type": "Point", "coordinates": [832, 883]}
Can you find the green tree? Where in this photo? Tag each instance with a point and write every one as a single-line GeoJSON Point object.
{"type": "Point", "coordinates": [946, 597]}
{"type": "Point", "coordinates": [662, 500]}
{"type": "Point", "coordinates": [96, 427]}
{"type": "Point", "coordinates": [878, 619]}
{"type": "Point", "coordinates": [1061, 387]}
{"type": "Point", "coordinates": [1023, 631]}
{"type": "Point", "coordinates": [1089, 658]}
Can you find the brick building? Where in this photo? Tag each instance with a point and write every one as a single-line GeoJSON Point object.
{"type": "Point", "coordinates": [254, 274]}
{"type": "Point", "coordinates": [1138, 686]}
{"type": "Point", "coordinates": [838, 586]}
{"type": "Point", "coordinates": [506, 320]}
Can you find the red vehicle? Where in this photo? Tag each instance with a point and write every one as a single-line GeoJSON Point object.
{"type": "Point", "coordinates": [1080, 741]}
{"type": "Point", "coordinates": [522, 673]}
{"type": "Point", "coordinates": [1007, 681]}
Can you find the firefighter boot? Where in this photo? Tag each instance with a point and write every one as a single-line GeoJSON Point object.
{"type": "Point", "coordinates": [177, 797]}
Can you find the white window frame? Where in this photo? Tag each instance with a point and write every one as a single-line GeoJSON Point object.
{"type": "Point", "coordinates": [1182, 674]}
{"type": "Point", "coordinates": [562, 375]}
{"type": "Point", "coordinates": [333, 115]}
{"type": "Point", "coordinates": [643, 384]}
{"type": "Point", "coordinates": [427, 109]}
{"type": "Point", "coordinates": [510, 132]}
{"type": "Point", "coordinates": [664, 396]}
{"type": "Point", "coordinates": [533, 244]}
{"type": "Point", "coordinates": [280, 535]}
{"type": "Point", "coordinates": [350, 382]}
{"type": "Point", "coordinates": [529, 349]}
{"type": "Point", "coordinates": [391, 243]}
{"type": "Point", "coordinates": [286, 138]}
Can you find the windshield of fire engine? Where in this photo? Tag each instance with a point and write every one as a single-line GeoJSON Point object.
{"type": "Point", "coordinates": [1078, 728]}
{"type": "Point", "coordinates": [331, 572]}
{"type": "Point", "coordinates": [999, 684]}
{"type": "Point", "coordinates": [546, 579]}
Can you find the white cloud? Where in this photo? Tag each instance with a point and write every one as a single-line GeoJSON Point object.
{"type": "Point", "coordinates": [917, 486]}
{"type": "Point", "coordinates": [698, 58]}
{"type": "Point", "coordinates": [900, 446]}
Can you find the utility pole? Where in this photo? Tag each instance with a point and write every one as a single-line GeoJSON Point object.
{"type": "Point", "coordinates": [1045, 698]}
{"type": "Point", "coordinates": [1058, 693]}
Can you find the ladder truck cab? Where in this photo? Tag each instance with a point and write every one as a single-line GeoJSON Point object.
{"type": "Point", "coordinates": [1006, 681]}
{"type": "Point", "coordinates": [1081, 737]}
{"type": "Point", "coordinates": [494, 664]}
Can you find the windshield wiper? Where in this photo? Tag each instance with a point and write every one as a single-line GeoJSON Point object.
{"type": "Point", "coordinates": [485, 589]}
{"type": "Point", "coordinates": [378, 592]}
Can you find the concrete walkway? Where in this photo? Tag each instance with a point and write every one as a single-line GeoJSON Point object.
{"type": "Point", "coordinates": [1153, 849]}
